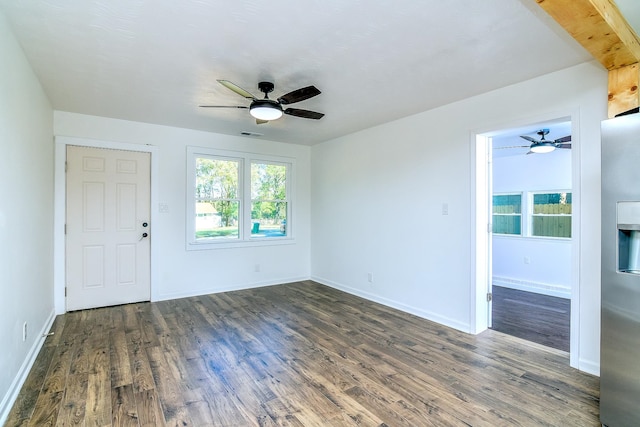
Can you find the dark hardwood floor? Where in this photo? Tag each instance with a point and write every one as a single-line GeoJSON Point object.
{"type": "Point", "coordinates": [535, 317]}
{"type": "Point", "coordinates": [299, 354]}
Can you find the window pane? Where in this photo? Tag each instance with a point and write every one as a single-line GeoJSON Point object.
{"type": "Point", "coordinates": [268, 181]}
{"type": "Point", "coordinates": [552, 204]}
{"type": "Point", "coordinates": [216, 179]}
{"type": "Point", "coordinates": [507, 204]}
{"type": "Point", "coordinates": [552, 226]}
{"type": "Point", "coordinates": [217, 220]}
{"type": "Point", "coordinates": [268, 219]}
{"type": "Point", "coordinates": [507, 224]}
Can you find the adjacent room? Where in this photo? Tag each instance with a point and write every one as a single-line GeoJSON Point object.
{"type": "Point", "coordinates": [236, 213]}
{"type": "Point", "coordinates": [531, 243]}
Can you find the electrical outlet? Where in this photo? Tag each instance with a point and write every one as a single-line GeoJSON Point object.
{"type": "Point", "coordinates": [527, 260]}
{"type": "Point", "coordinates": [445, 209]}
{"type": "Point", "coordinates": [256, 268]}
{"type": "Point", "coordinates": [24, 331]}
{"type": "Point", "coordinates": [370, 277]}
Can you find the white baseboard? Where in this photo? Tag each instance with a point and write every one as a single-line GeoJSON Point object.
{"type": "Point", "coordinates": [536, 287]}
{"type": "Point", "coordinates": [589, 367]}
{"type": "Point", "coordinates": [463, 327]}
{"type": "Point", "coordinates": [200, 292]}
{"type": "Point", "coordinates": [12, 394]}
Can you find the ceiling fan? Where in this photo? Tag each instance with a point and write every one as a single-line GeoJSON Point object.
{"type": "Point", "coordinates": [265, 109]}
{"type": "Point", "coordinates": [542, 145]}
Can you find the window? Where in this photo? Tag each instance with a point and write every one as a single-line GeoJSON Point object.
{"type": "Point", "coordinates": [507, 214]}
{"type": "Point", "coordinates": [551, 216]}
{"type": "Point", "coordinates": [268, 199]}
{"type": "Point", "coordinates": [547, 214]}
{"type": "Point", "coordinates": [236, 198]}
{"type": "Point", "coordinates": [217, 203]}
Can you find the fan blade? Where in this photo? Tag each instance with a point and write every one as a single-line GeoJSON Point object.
{"type": "Point", "coordinates": [563, 146]}
{"type": "Point", "coordinates": [512, 146]}
{"type": "Point", "coordinates": [563, 139]}
{"type": "Point", "coordinates": [223, 106]}
{"type": "Point", "coordinates": [261, 122]}
{"type": "Point", "coordinates": [299, 95]}
{"type": "Point", "coordinates": [306, 114]}
{"type": "Point", "coordinates": [528, 138]}
{"type": "Point", "coordinates": [237, 89]}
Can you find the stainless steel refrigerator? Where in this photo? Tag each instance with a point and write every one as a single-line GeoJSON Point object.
{"type": "Point", "coordinates": [620, 317]}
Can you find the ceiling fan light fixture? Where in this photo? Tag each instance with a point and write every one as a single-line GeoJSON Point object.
{"type": "Point", "coordinates": [542, 147]}
{"type": "Point", "coordinates": [265, 110]}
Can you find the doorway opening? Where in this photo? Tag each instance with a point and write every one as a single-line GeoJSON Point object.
{"type": "Point", "coordinates": [530, 244]}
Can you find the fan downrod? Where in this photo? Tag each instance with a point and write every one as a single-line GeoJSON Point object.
{"type": "Point", "coordinates": [266, 87]}
{"type": "Point", "coordinates": [543, 133]}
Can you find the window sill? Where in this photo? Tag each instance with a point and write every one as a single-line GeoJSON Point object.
{"type": "Point", "coordinates": [235, 244]}
{"type": "Point", "coordinates": [536, 238]}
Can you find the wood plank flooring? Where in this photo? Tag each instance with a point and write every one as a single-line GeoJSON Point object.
{"type": "Point", "coordinates": [299, 354]}
{"type": "Point", "coordinates": [534, 317]}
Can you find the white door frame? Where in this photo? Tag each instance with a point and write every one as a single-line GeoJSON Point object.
{"type": "Point", "coordinates": [480, 256]}
{"type": "Point", "coordinates": [61, 142]}
{"type": "Point", "coordinates": [479, 223]}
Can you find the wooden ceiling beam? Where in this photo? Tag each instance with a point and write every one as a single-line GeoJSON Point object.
{"type": "Point", "coordinates": [601, 29]}
{"type": "Point", "coordinates": [623, 89]}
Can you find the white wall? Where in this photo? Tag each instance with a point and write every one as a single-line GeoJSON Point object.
{"type": "Point", "coordinates": [548, 269]}
{"type": "Point", "coordinates": [26, 215]}
{"type": "Point", "coordinates": [178, 272]}
{"type": "Point", "coordinates": [377, 199]}
{"type": "Point", "coordinates": [378, 195]}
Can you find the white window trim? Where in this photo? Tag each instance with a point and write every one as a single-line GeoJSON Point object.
{"type": "Point", "coordinates": [244, 183]}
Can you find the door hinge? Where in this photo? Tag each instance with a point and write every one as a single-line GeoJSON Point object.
{"type": "Point", "coordinates": [489, 296]}
{"type": "Point", "coordinates": [489, 228]}
{"type": "Point", "coordinates": [65, 229]}
{"type": "Point", "coordinates": [65, 291]}
{"type": "Point", "coordinates": [66, 167]}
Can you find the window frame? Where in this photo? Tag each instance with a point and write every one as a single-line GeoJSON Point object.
{"type": "Point", "coordinates": [245, 160]}
{"type": "Point", "coordinates": [521, 214]}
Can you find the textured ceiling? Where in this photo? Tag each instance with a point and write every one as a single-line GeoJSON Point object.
{"type": "Point", "coordinates": [374, 61]}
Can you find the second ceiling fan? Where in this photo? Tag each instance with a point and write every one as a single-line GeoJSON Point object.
{"type": "Point", "coordinates": [542, 145]}
{"type": "Point", "coordinates": [265, 109]}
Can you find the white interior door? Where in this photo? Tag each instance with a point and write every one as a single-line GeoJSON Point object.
{"type": "Point", "coordinates": [107, 227]}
